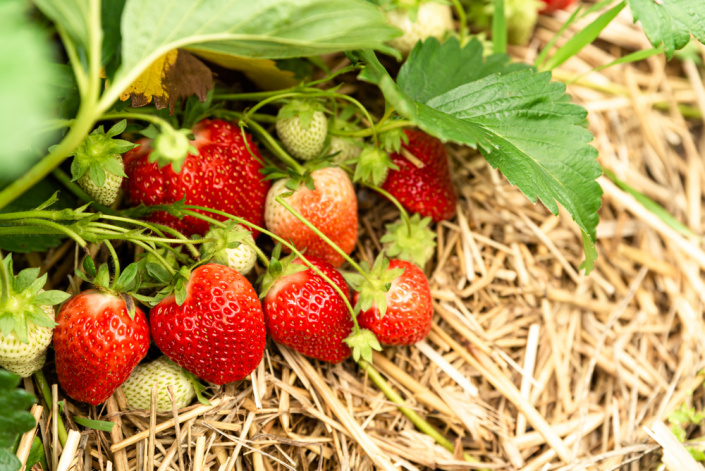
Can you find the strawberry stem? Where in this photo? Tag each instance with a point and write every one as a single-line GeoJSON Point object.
{"type": "Point", "coordinates": [59, 227]}
{"type": "Point", "coordinates": [419, 422]}
{"type": "Point", "coordinates": [379, 129]}
{"type": "Point", "coordinates": [46, 394]}
{"type": "Point", "coordinates": [386, 194]}
{"type": "Point", "coordinates": [4, 282]}
{"type": "Point", "coordinates": [271, 144]}
{"type": "Point", "coordinates": [116, 261]}
{"type": "Point", "coordinates": [150, 118]}
{"type": "Point", "coordinates": [316, 231]}
{"type": "Point", "coordinates": [159, 229]}
{"type": "Point", "coordinates": [462, 17]}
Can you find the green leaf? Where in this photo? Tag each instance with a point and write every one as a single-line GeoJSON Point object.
{"type": "Point", "coordinates": [14, 418]}
{"type": "Point", "coordinates": [36, 455]}
{"type": "Point", "coordinates": [127, 277]}
{"type": "Point", "coordinates": [584, 37]}
{"type": "Point", "coordinates": [521, 122]}
{"type": "Point", "coordinates": [102, 425]}
{"type": "Point", "coordinates": [25, 54]}
{"type": "Point", "coordinates": [8, 460]}
{"type": "Point", "coordinates": [110, 15]}
{"type": "Point", "coordinates": [103, 277]}
{"type": "Point", "coordinates": [273, 29]}
{"type": "Point", "coordinates": [158, 272]}
{"type": "Point", "coordinates": [590, 253]}
{"type": "Point", "coordinates": [670, 23]}
{"type": "Point", "coordinates": [89, 266]}
{"type": "Point", "coordinates": [73, 16]}
{"type": "Point", "coordinates": [24, 279]}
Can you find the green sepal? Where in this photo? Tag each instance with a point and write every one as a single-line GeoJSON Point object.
{"type": "Point", "coordinates": [100, 153]}
{"type": "Point", "coordinates": [50, 201]}
{"type": "Point", "coordinates": [413, 242]}
{"type": "Point", "coordinates": [172, 146]}
{"type": "Point", "coordinates": [373, 165]}
{"type": "Point", "coordinates": [128, 280]}
{"type": "Point", "coordinates": [198, 387]}
{"type": "Point", "coordinates": [303, 109]}
{"type": "Point", "coordinates": [392, 140]}
{"type": "Point", "coordinates": [373, 288]}
{"type": "Point", "coordinates": [218, 239]}
{"type": "Point", "coordinates": [89, 266]}
{"type": "Point", "coordinates": [129, 305]}
{"type": "Point", "coordinates": [362, 343]}
{"type": "Point", "coordinates": [278, 269]}
{"type": "Point", "coordinates": [50, 298]}
{"type": "Point", "coordinates": [102, 279]}
{"type": "Point", "coordinates": [158, 272]}
{"type": "Point", "coordinates": [25, 278]}
{"type": "Point", "coordinates": [41, 318]}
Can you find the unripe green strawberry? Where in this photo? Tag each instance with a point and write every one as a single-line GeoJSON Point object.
{"type": "Point", "coordinates": [105, 194]}
{"type": "Point", "coordinates": [22, 358]}
{"type": "Point", "coordinates": [161, 373]}
{"type": "Point", "coordinates": [418, 22]}
{"type": "Point", "coordinates": [97, 164]}
{"type": "Point", "coordinates": [344, 148]}
{"type": "Point", "coordinates": [302, 127]}
{"type": "Point", "coordinates": [26, 318]}
{"type": "Point", "coordinates": [231, 246]}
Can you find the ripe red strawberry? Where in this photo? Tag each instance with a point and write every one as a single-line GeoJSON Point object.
{"type": "Point", "coordinates": [97, 345]}
{"type": "Point", "coordinates": [555, 5]}
{"type": "Point", "coordinates": [427, 190]}
{"type": "Point", "coordinates": [222, 175]}
{"type": "Point", "coordinates": [218, 332]}
{"type": "Point", "coordinates": [332, 208]}
{"type": "Point", "coordinates": [304, 312]}
{"type": "Point", "coordinates": [409, 310]}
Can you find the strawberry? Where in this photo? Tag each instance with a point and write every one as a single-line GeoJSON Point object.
{"type": "Point", "coordinates": [555, 5]}
{"type": "Point", "coordinates": [419, 21]}
{"type": "Point", "coordinates": [304, 312]}
{"type": "Point", "coordinates": [221, 174]}
{"type": "Point", "coordinates": [302, 127]}
{"type": "Point", "coordinates": [217, 332]}
{"type": "Point", "coordinates": [26, 318]}
{"type": "Point", "coordinates": [161, 373]}
{"type": "Point", "coordinates": [408, 309]}
{"type": "Point", "coordinates": [97, 164]}
{"type": "Point", "coordinates": [428, 189]}
{"type": "Point", "coordinates": [98, 344]}
{"type": "Point", "coordinates": [231, 245]}
{"type": "Point", "coordinates": [344, 148]}
{"type": "Point", "coordinates": [331, 207]}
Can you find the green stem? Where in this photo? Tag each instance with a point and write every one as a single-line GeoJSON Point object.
{"type": "Point", "coordinates": [463, 21]}
{"type": "Point", "coordinates": [113, 254]}
{"type": "Point", "coordinates": [420, 423]}
{"type": "Point", "coordinates": [46, 393]}
{"type": "Point", "coordinates": [325, 238]}
{"type": "Point", "coordinates": [4, 281]}
{"type": "Point", "coordinates": [159, 229]}
{"type": "Point", "coordinates": [156, 254]}
{"type": "Point", "coordinates": [78, 191]}
{"type": "Point", "coordinates": [230, 114]}
{"type": "Point", "coordinates": [27, 230]}
{"type": "Point", "coordinates": [150, 118]}
{"type": "Point", "coordinates": [260, 254]}
{"type": "Point", "coordinates": [73, 235]}
{"type": "Point", "coordinates": [386, 194]}
{"type": "Point", "coordinates": [400, 123]}
{"type": "Point", "coordinates": [274, 147]}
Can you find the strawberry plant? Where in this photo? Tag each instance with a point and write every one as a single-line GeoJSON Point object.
{"type": "Point", "coordinates": [217, 158]}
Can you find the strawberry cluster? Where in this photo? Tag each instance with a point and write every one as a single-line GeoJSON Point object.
{"type": "Point", "coordinates": [209, 320]}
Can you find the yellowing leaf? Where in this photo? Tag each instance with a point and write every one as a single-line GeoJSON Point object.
{"type": "Point", "coordinates": [263, 72]}
{"type": "Point", "coordinates": [177, 74]}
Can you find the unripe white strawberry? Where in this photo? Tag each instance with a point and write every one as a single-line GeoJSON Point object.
{"type": "Point", "coordinates": [432, 19]}
{"type": "Point", "coordinates": [97, 163]}
{"type": "Point", "coordinates": [161, 373]}
{"type": "Point", "coordinates": [345, 148]}
{"type": "Point", "coordinates": [302, 126]}
{"type": "Point", "coordinates": [220, 247]}
{"type": "Point", "coordinates": [106, 194]}
{"type": "Point", "coordinates": [23, 358]}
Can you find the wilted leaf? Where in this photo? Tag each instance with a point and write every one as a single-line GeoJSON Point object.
{"type": "Point", "coordinates": [176, 74]}
{"type": "Point", "coordinates": [263, 72]}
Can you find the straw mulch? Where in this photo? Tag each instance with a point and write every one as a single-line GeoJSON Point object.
{"type": "Point", "coordinates": [530, 364]}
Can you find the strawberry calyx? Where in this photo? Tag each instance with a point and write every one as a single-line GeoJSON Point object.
{"type": "Point", "coordinates": [373, 165]}
{"type": "Point", "coordinates": [392, 139]}
{"type": "Point", "coordinates": [302, 109]}
{"type": "Point", "coordinates": [412, 240]}
{"type": "Point", "coordinates": [124, 285]}
{"type": "Point", "coordinates": [21, 300]}
{"type": "Point", "coordinates": [278, 268]}
{"type": "Point", "coordinates": [373, 284]}
{"type": "Point", "coordinates": [362, 343]}
{"type": "Point", "coordinates": [171, 146]}
{"type": "Point", "coordinates": [198, 387]}
{"type": "Point", "coordinates": [99, 155]}
{"type": "Point", "coordinates": [219, 239]}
